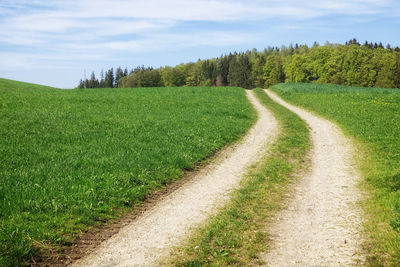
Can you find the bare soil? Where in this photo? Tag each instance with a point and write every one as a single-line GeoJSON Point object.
{"type": "Point", "coordinates": [150, 236]}
{"type": "Point", "coordinates": [322, 223]}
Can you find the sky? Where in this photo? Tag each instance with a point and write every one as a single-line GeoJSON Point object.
{"type": "Point", "coordinates": [53, 42]}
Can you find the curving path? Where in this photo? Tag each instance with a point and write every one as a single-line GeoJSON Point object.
{"type": "Point", "coordinates": [150, 237]}
{"type": "Point", "coordinates": [322, 223]}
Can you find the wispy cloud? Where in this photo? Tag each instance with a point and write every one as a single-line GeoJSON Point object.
{"type": "Point", "coordinates": [177, 41]}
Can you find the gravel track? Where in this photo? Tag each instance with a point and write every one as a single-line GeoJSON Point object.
{"type": "Point", "coordinates": [150, 237]}
{"type": "Point", "coordinates": [321, 225]}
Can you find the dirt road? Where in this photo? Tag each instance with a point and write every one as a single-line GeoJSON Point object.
{"type": "Point", "coordinates": [322, 223]}
{"type": "Point", "coordinates": [149, 238]}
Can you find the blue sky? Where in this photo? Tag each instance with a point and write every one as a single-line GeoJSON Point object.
{"type": "Point", "coordinates": [53, 42]}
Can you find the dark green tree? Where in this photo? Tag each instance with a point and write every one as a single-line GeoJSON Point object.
{"type": "Point", "coordinates": [81, 84]}
{"type": "Point", "coordinates": [223, 70]}
{"type": "Point", "coordinates": [101, 82]}
{"type": "Point", "coordinates": [119, 73]}
{"type": "Point", "coordinates": [93, 82]}
{"type": "Point", "coordinates": [240, 72]}
{"type": "Point", "coordinates": [109, 79]}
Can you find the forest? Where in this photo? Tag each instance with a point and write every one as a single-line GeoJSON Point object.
{"type": "Point", "coordinates": [352, 63]}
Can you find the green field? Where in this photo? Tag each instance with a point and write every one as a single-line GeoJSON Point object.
{"type": "Point", "coordinates": [71, 158]}
{"type": "Point", "coordinates": [372, 117]}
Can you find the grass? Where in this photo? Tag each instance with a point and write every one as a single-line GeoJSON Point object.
{"type": "Point", "coordinates": [73, 158]}
{"type": "Point", "coordinates": [239, 233]}
{"type": "Point", "coordinates": [372, 117]}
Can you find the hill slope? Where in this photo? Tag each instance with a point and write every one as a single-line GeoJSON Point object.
{"type": "Point", "coordinates": [71, 158]}
{"type": "Point", "coordinates": [17, 85]}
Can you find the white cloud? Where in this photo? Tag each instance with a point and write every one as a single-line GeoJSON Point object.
{"type": "Point", "coordinates": [179, 41]}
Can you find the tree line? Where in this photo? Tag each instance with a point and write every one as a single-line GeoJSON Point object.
{"type": "Point", "coordinates": [107, 79]}
{"type": "Point", "coordinates": [355, 64]}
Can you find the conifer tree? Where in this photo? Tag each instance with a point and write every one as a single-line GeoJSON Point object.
{"type": "Point", "coordinates": [101, 82]}
{"type": "Point", "coordinates": [109, 79]}
{"type": "Point", "coordinates": [93, 82]}
{"type": "Point", "coordinates": [223, 69]}
{"type": "Point", "coordinates": [119, 73]}
{"type": "Point", "coordinates": [81, 84]}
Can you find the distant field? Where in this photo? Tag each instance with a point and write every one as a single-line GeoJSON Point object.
{"type": "Point", "coordinates": [372, 116]}
{"type": "Point", "coordinates": [69, 158]}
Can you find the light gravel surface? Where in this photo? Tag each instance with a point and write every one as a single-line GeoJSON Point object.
{"type": "Point", "coordinates": [322, 223]}
{"type": "Point", "coordinates": [150, 237]}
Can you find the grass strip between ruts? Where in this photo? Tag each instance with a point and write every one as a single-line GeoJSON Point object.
{"type": "Point", "coordinates": [239, 232]}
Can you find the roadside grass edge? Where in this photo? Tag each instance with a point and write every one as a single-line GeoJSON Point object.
{"type": "Point", "coordinates": [382, 243]}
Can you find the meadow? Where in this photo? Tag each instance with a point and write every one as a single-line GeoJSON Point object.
{"type": "Point", "coordinates": [73, 158]}
{"type": "Point", "coordinates": [372, 117]}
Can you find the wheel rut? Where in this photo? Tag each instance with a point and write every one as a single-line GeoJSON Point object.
{"type": "Point", "coordinates": [322, 223]}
